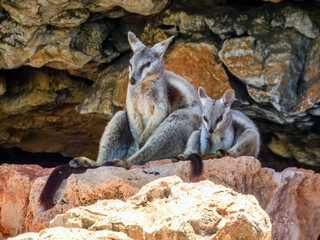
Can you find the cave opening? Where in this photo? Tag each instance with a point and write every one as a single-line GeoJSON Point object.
{"type": "Point", "coordinates": [15, 155]}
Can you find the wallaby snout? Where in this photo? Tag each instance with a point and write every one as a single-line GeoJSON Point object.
{"type": "Point", "coordinates": [133, 81]}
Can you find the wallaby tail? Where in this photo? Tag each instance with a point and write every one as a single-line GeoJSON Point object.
{"type": "Point", "coordinates": [54, 182]}
{"type": "Point", "coordinates": [196, 164]}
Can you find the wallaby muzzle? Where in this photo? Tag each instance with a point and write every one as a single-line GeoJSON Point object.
{"type": "Point", "coordinates": [133, 81]}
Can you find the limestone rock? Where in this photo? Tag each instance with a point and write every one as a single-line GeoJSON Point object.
{"type": "Point", "coordinates": [109, 91]}
{"type": "Point", "coordinates": [290, 197]}
{"type": "Point", "coordinates": [16, 182]}
{"type": "Point", "coordinates": [199, 64]}
{"type": "Point", "coordinates": [38, 114]}
{"type": "Point", "coordinates": [268, 65]}
{"type": "Point", "coordinates": [307, 151]}
{"type": "Point", "coordinates": [309, 98]}
{"type": "Point", "coordinates": [72, 233]}
{"type": "Point", "coordinates": [170, 209]}
{"type": "Point", "coordinates": [42, 45]}
{"type": "Point", "coordinates": [274, 190]}
{"type": "Point", "coordinates": [267, 17]}
{"type": "Point", "coordinates": [65, 13]}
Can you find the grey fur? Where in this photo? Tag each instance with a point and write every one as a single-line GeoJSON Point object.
{"type": "Point", "coordinates": [230, 130]}
{"type": "Point", "coordinates": [162, 111]}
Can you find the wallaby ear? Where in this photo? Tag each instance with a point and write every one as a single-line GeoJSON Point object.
{"type": "Point", "coordinates": [134, 42]}
{"type": "Point", "coordinates": [228, 98]}
{"type": "Point", "coordinates": [202, 93]}
{"type": "Point", "coordinates": [161, 47]}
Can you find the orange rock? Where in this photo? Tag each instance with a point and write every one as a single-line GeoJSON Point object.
{"type": "Point", "coordinates": [16, 182]}
{"type": "Point", "coordinates": [291, 197]}
{"type": "Point", "coordinates": [199, 64]}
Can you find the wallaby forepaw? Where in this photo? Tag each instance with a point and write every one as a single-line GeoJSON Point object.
{"type": "Point", "coordinates": [180, 157]}
{"type": "Point", "coordinates": [119, 162]}
{"type": "Point", "coordinates": [79, 162]}
{"type": "Point", "coordinates": [223, 153]}
{"type": "Point", "coordinates": [208, 156]}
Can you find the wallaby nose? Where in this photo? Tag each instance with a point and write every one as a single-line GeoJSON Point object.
{"type": "Point", "coordinates": [210, 130]}
{"type": "Point", "coordinates": [132, 81]}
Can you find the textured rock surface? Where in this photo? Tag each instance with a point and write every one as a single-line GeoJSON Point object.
{"type": "Point", "coordinates": [72, 233]}
{"type": "Point", "coordinates": [278, 67]}
{"type": "Point", "coordinates": [59, 38]}
{"type": "Point", "coordinates": [203, 64]}
{"type": "Point", "coordinates": [168, 208]}
{"type": "Point", "coordinates": [39, 114]}
{"type": "Point", "coordinates": [310, 86]}
{"type": "Point", "coordinates": [270, 65]}
{"type": "Point", "coordinates": [290, 197]}
{"type": "Point", "coordinates": [16, 182]}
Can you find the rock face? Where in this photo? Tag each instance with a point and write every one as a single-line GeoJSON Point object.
{"type": "Point", "coordinates": [39, 114]}
{"type": "Point", "coordinates": [64, 75]}
{"type": "Point", "coordinates": [16, 182]}
{"type": "Point", "coordinates": [203, 63]}
{"type": "Point", "coordinates": [269, 65]}
{"type": "Point", "coordinates": [81, 52]}
{"type": "Point", "coordinates": [72, 233]}
{"type": "Point", "coordinates": [170, 209]}
{"type": "Point", "coordinates": [42, 39]}
{"type": "Point", "coordinates": [290, 197]}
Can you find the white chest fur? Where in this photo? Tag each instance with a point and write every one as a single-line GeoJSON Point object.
{"type": "Point", "coordinates": [215, 143]}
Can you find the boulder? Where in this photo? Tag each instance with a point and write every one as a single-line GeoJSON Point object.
{"type": "Point", "coordinates": [60, 233]}
{"type": "Point", "coordinates": [269, 65]}
{"type": "Point", "coordinates": [16, 182]}
{"type": "Point", "coordinates": [65, 13]}
{"type": "Point", "coordinates": [274, 190]}
{"type": "Point", "coordinates": [62, 48]}
{"type": "Point", "coordinates": [168, 208]}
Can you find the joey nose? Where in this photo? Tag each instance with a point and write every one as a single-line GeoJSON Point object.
{"type": "Point", "coordinates": [210, 130]}
{"type": "Point", "coordinates": [132, 81]}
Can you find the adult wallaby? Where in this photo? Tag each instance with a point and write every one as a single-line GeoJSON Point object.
{"type": "Point", "coordinates": [223, 131]}
{"type": "Point", "coordinates": [162, 110]}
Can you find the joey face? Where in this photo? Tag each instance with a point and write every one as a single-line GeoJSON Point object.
{"type": "Point", "coordinates": [214, 112]}
{"type": "Point", "coordinates": [146, 63]}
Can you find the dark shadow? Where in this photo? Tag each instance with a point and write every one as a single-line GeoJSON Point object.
{"type": "Point", "coordinates": [15, 155]}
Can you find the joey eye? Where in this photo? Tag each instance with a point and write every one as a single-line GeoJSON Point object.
{"type": "Point", "coordinates": [147, 64]}
{"type": "Point", "coordinates": [219, 119]}
{"type": "Point", "coordinates": [205, 119]}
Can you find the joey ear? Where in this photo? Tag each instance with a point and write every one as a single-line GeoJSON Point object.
{"type": "Point", "coordinates": [161, 47]}
{"type": "Point", "coordinates": [134, 42]}
{"type": "Point", "coordinates": [202, 93]}
{"type": "Point", "coordinates": [228, 98]}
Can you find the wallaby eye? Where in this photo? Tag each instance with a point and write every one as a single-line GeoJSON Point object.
{"type": "Point", "coordinates": [205, 119]}
{"type": "Point", "coordinates": [219, 119]}
{"type": "Point", "coordinates": [147, 64]}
